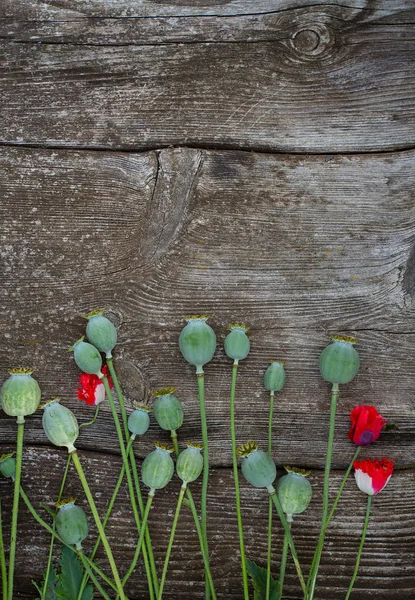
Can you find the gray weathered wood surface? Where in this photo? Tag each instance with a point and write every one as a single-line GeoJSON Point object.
{"type": "Point", "coordinates": [313, 236]}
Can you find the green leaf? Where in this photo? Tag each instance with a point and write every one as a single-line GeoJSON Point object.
{"type": "Point", "coordinates": [259, 580]}
{"type": "Point", "coordinates": [71, 577]}
{"type": "Point", "coordinates": [51, 587]}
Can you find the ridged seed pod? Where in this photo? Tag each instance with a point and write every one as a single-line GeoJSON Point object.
{"type": "Point", "coordinates": [189, 464]}
{"type": "Point", "coordinates": [60, 424]}
{"type": "Point", "coordinates": [101, 332]}
{"type": "Point", "coordinates": [20, 394]}
{"type": "Point", "coordinates": [168, 410]}
{"type": "Point", "coordinates": [257, 467]}
{"type": "Point", "coordinates": [139, 420]}
{"type": "Point", "coordinates": [72, 523]}
{"type": "Point", "coordinates": [197, 342]}
{"type": "Point", "coordinates": [237, 342]}
{"type": "Point", "coordinates": [8, 465]}
{"type": "Point", "coordinates": [158, 467]}
{"type": "Point", "coordinates": [339, 362]}
{"type": "Point", "coordinates": [294, 492]}
{"type": "Point", "coordinates": [274, 378]}
{"type": "Point", "coordinates": [87, 357]}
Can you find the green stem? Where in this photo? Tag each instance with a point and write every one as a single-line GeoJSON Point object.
{"type": "Point", "coordinates": [320, 544]}
{"type": "Point", "coordinates": [362, 541]}
{"type": "Point", "coordinates": [148, 555]}
{"type": "Point", "coordinates": [94, 418]}
{"type": "Point", "coordinates": [3, 561]}
{"type": "Point", "coordinates": [205, 478]}
{"type": "Point", "coordinates": [98, 523]}
{"type": "Point", "coordinates": [171, 540]}
{"type": "Point", "coordinates": [91, 575]}
{"type": "Point", "coordinates": [277, 504]}
{"type": "Point", "coordinates": [283, 564]}
{"type": "Point", "coordinates": [141, 537]}
{"type": "Point", "coordinates": [16, 496]}
{"type": "Point", "coordinates": [236, 482]}
{"type": "Point", "coordinates": [175, 443]}
{"type": "Point", "coordinates": [270, 512]}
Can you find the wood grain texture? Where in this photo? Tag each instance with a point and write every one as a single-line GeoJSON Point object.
{"type": "Point", "coordinates": [296, 78]}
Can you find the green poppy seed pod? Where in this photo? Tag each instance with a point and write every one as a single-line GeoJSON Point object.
{"type": "Point", "coordinates": [158, 467]}
{"type": "Point", "coordinates": [20, 394]}
{"type": "Point", "coordinates": [139, 420]}
{"type": "Point", "coordinates": [8, 465]}
{"type": "Point", "coordinates": [87, 357]}
{"type": "Point", "coordinates": [101, 332]}
{"type": "Point", "coordinates": [72, 523]}
{"type": "Point", "coordinates": [274, 378]}
{"type": "Point", "coordinates": [339, 362]}
{"type": "Point", "coordinates": [60, 424]}
{"type": "Point", "coordinates": [294, 492]}
{"type": "Point", "coordinates": [257, 467]}
{"type": "Point", "coordinates": [168, 410]}
{"type": "Point", "coordinates": [237, 343]}
{"type": "Point", "coordinates": [197, 342]}
{"type": "Point", "coordinates": [189, 463]}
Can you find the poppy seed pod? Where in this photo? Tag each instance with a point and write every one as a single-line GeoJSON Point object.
{"type": "Point", "coordinates": [274, 378]}
{"type": "Point", "coordinates": [168, 410]}
{"type": "Point", "coordinates": [339, 362]}
{"type": "Point", "coordinates": [71, 523]}
{"type": "Point", "coordinates": [101, 332]}
{"type": "Point", "coordinates": [237, 342]}
{"type": "Point", "coordinates": [257, 467]}
{"type": "Point", "coordinates": [158, 468]}
{"type": "Point", "coordinates": [197, 342]}
{"type": "Point", "coordinates": [139, 420]}
{"type": "Point", "coordinates": [87, 357]}
{"type": "Point", "coordinates": [8, 465]}
{"type": "Point", "coordinates": [294, 492]}
{"type": "Point", "coordinates": [20, 394]}
{"type": "Point", "coordinates": [60, 424]}
{"type": "Point", "coordinates": [189, 463]}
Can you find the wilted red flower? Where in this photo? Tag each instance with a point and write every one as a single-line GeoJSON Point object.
{"type": "Point", "coordinates": [366, 426]}
{"type": "Point", "coordinates": [91, 389]}
{"type": "Point", "coordinates": [372, 475]}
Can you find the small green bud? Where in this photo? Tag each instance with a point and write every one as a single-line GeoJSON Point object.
{"type": "Point", "coordinates": [339, 362]}
{"type": "Point", "coordinates": [60, 424]}
{"type": "Point", "coordinates": [274, 378]}
{"type": "Point", "coordinates": [257, 467]}
{"type": "Point", "coordinates": [197, 342]}
{"type": "Point", "coordinates": [294, 492]}
{"type": "Point", "coordinates": [158, 468]}
{"type": "Point", "coordinates": [71, 523]}
{"type": "Point", "coordinates": [8, 465]}
{"type": "Point", "coordinates": [139, 420]}
{"type": "Point", "coordinates": [189, 464]}
{"type": "Point", "coordinates": [101, 332]}
{"type": "Point", "coordinates": [237, 343]}
{"type": "Point", "coordinates": [20, 394]}
{"type": "Point", "coordinates": [168, 410]}
{"type": "Point", "coordinates": [87, 357]}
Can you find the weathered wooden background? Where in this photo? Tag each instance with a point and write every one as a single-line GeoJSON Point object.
{"type": "Point", "coordinates": [252, 160]}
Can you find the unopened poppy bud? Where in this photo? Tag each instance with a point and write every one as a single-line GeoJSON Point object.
{"type": "Point", "coordinates": [158, 467]}
{"type": "Point", "coordinates": [139, 420]}
{"type": "Point", "coordinates": [20, 394]}
{"type": "Point", "coordinates": [71, 523]}
{"type": "Point", "coordinates": [87, 357]}
{"type": "Point", "coordinates": [294, 492]}
{"type": "Point", "coordinates": [8, 465]}
{"type": "Point", "coordinates": [237, 342]}
{"type": "Point", "coordinates": [189, 464]}
{"type": "Point", "coordinates": [274, 378]}
{"type": "Point", "coordinates": [257, 467]}
{"type": "Point", "coordinates": [60, 424]}
{"type": "Point", "coordinates": [168, 410]}
{"type": "Point", "coordinates": [101, 332]}
{"type": "Point", "coordinates": [197, 342]}
{"type": "Point", "coordinates": [339, 362]}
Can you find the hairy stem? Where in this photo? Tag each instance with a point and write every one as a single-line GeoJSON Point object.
{"type": "Point", "coordinates": [270, 511]}
{"type": "Point", "coordinates": [16, 497]}
{"type": "Point", "coordinates": [359, 553]}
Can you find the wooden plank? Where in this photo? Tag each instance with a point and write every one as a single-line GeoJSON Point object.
{"type": "Point", "coordinates": [297, 79]}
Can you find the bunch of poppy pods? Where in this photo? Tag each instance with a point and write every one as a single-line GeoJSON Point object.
{"type": "Point", "coordinates": [289, 495]}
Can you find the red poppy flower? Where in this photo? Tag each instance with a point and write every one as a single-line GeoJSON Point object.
{"type": "Point", "coordinates": [372, 475]}
{"type": "Point", "coordinates": [91, 389]}
{"type": "Point", "coordinates": [366, 426]}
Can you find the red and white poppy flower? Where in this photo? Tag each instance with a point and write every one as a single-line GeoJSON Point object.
{"type": "Point", "coordinates": [91, 389]}
{"type": "Point", "coordinates": [372, 475]}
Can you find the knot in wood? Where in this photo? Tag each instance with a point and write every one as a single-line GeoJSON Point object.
{"type": "Point", "coordinates": [311, 40]}
{"type": "Point", "coordinates": [306, 40]}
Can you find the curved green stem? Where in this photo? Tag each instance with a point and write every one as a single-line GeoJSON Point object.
{"type": "Point", "coordinates": [359, 553]}
{"type": "Point", "coordinates": [94, 418]}
{"type": "Point", "coordinates": [91, 575]}
{"type": "Point", "coordinates": [141, 537]}
{"type": "Point", "coordinates": [205, 478]}
{"type": "Point", "coordinates": [3, 561]}
{"type": "Point", "coordinates": [171, 540]}
{"type": "Point", "coordinates": [270, 512]}
{"type": "Point", "coordinates": [236, 482]}
{"type": "Point", "coordinates": [16, 496]}
{"type": "Point", "coordinates": [283, 564]}
{"type": "Point", "coordinates": [98, 523]}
